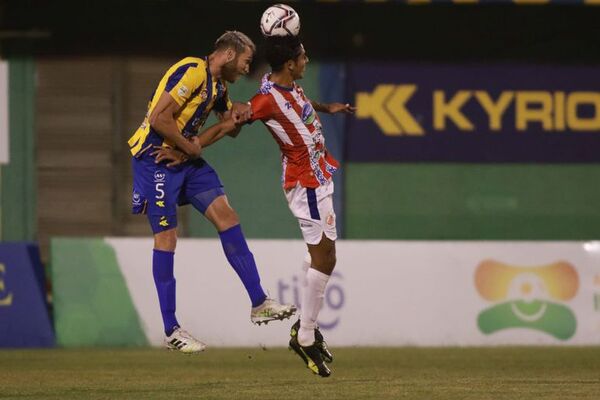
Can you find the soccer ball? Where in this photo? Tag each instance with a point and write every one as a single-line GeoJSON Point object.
{"type": "Point", "coordinates": [280, 20]}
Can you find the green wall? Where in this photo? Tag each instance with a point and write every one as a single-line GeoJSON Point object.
{"type": "Point", "coordinates": [250, 168]}
{"type": "Point", "coordinates": [472, 201]}
{"type": "Point", "coordinates": [18, 190]}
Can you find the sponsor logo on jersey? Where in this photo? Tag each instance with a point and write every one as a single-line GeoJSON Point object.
{"type": "Point", "coordinates": [183, 91]}
{"type": "Point", "coordinates": [308, 114]}
{"type": "Point", "coordinates": [159, 176]}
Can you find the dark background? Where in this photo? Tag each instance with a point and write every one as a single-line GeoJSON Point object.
{"type": "Point", "coordinates": [388, 31]}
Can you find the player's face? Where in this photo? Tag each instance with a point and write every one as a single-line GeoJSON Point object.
{"type": "Point", "coordinates": [240, 65]}
{"type": "Point", "coordinates": [300, 64]}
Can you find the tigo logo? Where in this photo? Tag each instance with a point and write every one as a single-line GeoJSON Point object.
{"type": "Point", "coordinates": [527, 297]}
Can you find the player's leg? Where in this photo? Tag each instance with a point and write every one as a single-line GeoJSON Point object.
{"type": "Point", "coordinates": [159, 188]}
{"type": "Point", "coordinates": [164, 280]}
{"type": "Point", "coordinates": [163, 260]}
{"type": "Point", "coordinates": [236, 250]}
{"type": "Point", "coordinates": [205, 193]}
{"type": "Point", "coordinates": [319, 339]}
{"type": "Point", "coordinates": [314, 209]}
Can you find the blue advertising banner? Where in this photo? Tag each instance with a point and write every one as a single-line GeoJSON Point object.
{"type": "Point", "coordinates": [500, 113]}
{"type": "Point", "coordinates": [24, 319]}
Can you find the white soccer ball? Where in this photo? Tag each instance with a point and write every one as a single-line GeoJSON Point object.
{"type": "Point", "coordinates": [280, 20]}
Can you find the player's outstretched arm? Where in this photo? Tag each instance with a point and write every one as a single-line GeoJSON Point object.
{"type": "Point", "coordinates": [242, 110]}
{"type": "Point", "coordinates": [333, 108]}
{"type": "Point", "coordinates": [216, 132]}
{"type": "Point", "coordinates": [164, 122]}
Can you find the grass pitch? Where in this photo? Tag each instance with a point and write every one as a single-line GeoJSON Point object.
{"type": "Point", "coordinates": [511, 373]}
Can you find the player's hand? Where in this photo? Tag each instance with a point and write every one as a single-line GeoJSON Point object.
{"type": "Point", "coordinates": [240, 119]}
{"type": "Point", "coordinates": [175, 157]}
{"type": "Point", "coordinates": [335, 108]}
{"type": "Point", "coordinates": [243, 110]}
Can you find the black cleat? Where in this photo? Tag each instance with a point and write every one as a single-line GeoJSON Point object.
{"type": "Point", "coordinates": [311, 356]}
{"type": "Point", "coordinates": [322, 346]}
{"type": "Point", "coordinates": [319, 342]}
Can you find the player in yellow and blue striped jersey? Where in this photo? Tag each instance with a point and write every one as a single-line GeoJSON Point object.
{"type": "Point", "coordinates": [168, 171]}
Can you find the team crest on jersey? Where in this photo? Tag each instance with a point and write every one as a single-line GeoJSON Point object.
{"type": "Point", "coordinates": [203, 94]}
{"type": "Point", "coordinates": [308, 114]}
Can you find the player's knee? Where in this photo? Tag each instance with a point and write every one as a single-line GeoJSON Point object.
{"type": "Point", "coordinates": [228, 218]}
{"type": "Point", "coordinates": [332, 259]}
{"type": "Point", "coordinates": [232, 217]}
{"type": "Point", "coordinates": [166, 240]}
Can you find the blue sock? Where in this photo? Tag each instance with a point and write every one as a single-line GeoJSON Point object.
{"type": "Point", "coordinates": [162, 269]}
{"type": "Point", "coordinates": [241, 259]}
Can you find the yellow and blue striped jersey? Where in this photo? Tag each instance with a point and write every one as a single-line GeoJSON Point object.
{"type": "Point", "coordinates": [191, 85]}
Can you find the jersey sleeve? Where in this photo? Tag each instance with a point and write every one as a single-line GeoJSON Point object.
{"type": "Point", "coordinates": [262, 107]}
{"type": "Point", "coordinates": [184, 81]}
{"type": "Point", "coordinates": [223, 103]}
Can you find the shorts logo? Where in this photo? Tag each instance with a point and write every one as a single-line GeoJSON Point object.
{"type": "Point", "coordinates": [183, 91]}
{"type": "Point", "coordinates": [330, 219]}
{"type": "Point", "coordinates": [159, 176]}
{"type": "Point", "coordinates": [527, 297]}
{"type": "Point", "coordinates": [160, 203]}
{"type": "Point", "coordinates": [136, 199]}
{"type": "Point", "coordinates": [163, 221]}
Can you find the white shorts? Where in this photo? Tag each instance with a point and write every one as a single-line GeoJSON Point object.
{"type": "Point", "coordinates": [314, 210]}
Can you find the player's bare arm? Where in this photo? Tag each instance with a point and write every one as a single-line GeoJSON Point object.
{"type": "Point", "coordinates": [223, 128]}
{"type": "Point", "coordinates": [163, 120]}
{"type": "Point", "coordinates": [333, 108]}
{"type": "Point", "coordinates": [204, 139]}
{"type": "Point", "coordinates": [243, 110]}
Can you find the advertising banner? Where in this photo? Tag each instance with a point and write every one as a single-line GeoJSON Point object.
{"type": "Point", "coordinates": [387, 293]}
{"type": "Point", "coordinates": [24, 319]}
{"type": "Point", "coordinates": [493, 113]}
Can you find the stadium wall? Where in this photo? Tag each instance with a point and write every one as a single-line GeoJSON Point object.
{"type": "Point", "coordinates": [18, 182]}
{"type": "Point", "coordinates": [383, 293]}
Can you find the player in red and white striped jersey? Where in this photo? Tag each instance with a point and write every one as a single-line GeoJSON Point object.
{"type": "Point", "coordinates": [308, 167]}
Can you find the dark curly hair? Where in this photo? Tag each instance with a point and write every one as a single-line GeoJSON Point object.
{"type": "Point", "coordinates": [281, 49]}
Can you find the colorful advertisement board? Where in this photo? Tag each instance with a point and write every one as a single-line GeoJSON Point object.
{"type": "Point", "coordinates": [383, 293]}
{"type": "Point", "coordinates": [479, 114]}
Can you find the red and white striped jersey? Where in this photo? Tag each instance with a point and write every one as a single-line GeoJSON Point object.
{"type": "Point", "coordinates": [296, 127]}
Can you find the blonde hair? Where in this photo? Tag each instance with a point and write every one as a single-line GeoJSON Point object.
{"type": "Point", "coordinates": [236, 40]}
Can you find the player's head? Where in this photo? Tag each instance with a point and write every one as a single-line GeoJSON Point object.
{"type": "Point", "coordinates": [286, 54]}
{"type": "Point", "coordinates": [237, 50]}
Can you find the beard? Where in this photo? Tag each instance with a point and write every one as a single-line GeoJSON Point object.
{"type": "Point", "coordinates": [230, 73]}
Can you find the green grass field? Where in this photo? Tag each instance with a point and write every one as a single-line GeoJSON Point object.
{"type": "Point", "coordinates": [511, 373]}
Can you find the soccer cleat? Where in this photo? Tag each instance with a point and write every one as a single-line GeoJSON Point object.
{"type": "Point", "coordinates": [270, 310]}
{"type": "Point", "coordinates": [184, 342]}
{"type": "Point", "coordinates": [319, 342]}
{"type": "Point", "coordinates": [311, 355]}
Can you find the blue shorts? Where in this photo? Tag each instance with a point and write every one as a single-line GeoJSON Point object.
{"type": "Point", "coordinates": [158, 190]}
